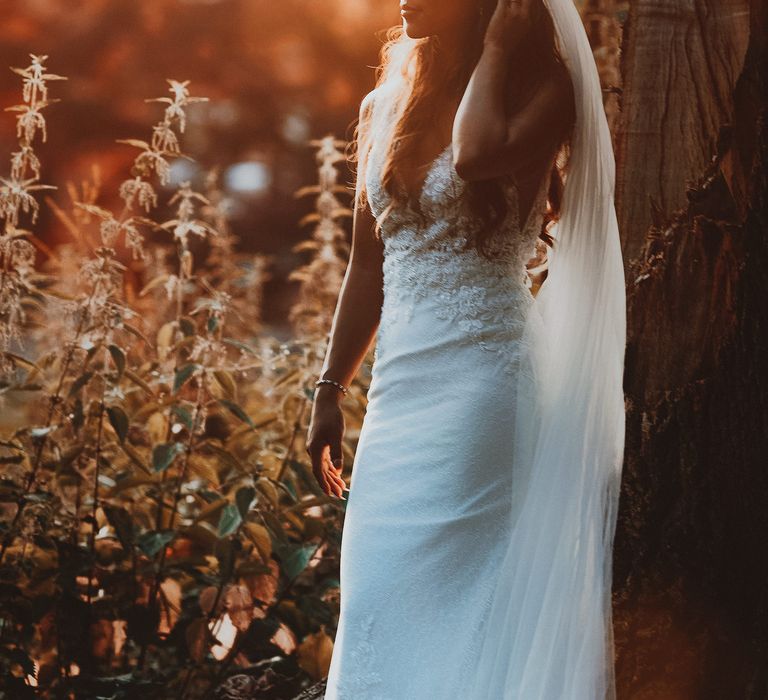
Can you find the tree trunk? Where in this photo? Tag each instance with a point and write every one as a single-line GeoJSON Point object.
{"type": "Point", "coordinates": [691, 611]}
{"type": "Point", "coordinates": [680, 61]}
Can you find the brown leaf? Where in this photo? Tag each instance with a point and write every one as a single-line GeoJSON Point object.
{"type": "Point", "coordinates": [199, 639]}
{"type": "Point", "coordinates": [239, 606]}
{"type": "Point", "coordinates": [314, 654]}
{"type": "Point", "coordinates": [207, 598]}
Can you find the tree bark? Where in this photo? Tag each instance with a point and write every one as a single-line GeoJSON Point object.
{"type": "Point", "coordinates": [691, 611]}
{"type": "Point", "coordinates": [680, 62]}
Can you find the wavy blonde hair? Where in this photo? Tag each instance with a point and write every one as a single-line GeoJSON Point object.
{"type": "Point", "coordinates": [412, 78]}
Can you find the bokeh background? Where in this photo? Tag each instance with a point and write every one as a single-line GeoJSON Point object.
{"type": "Point", "coordinates": [277, 74]}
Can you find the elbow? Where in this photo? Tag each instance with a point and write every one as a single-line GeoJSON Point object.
{"type": "Point", "coordinates": [478, 164]}
{"type": "Point", "coordinates": [463, 169]}
{"type": "Point", "coordinates": [468, 168]}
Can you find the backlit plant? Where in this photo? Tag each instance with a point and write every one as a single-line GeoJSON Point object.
{"type": "Point", "coordinates": [161, 529]}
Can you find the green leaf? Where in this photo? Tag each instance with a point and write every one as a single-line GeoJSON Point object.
{"type": "Point", "coordinates": [119, 421]}
{"type": "Point", "coordinates": [152, 542]}
{"type": "Point", "coordinates": [229, 521]}
{"type": "Point", "coordinates": [118, 357]}
{"type": "Point", "coordinates": [295, 558]}
{"type": "Point", "coordinates": [330, 582]}
{"type": "Point", "coordinates": [182, 375]}
{"type": "Point", "coordinates": [236, 410]}
{"type": "Point", "coordinates": [184, 415]}
{"type": "Point", "coordinates": [164, 454]}
{"type": "Point", "coordinates": [243, 498]}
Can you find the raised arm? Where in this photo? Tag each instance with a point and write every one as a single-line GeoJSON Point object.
{"type": "Point", "coordinates": [489, 142]}
{"type": "Point", "coordinates": [353, 328]}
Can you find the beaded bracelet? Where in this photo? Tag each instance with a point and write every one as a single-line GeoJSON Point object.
{"type": "Point", "coordinates": [335, 383]}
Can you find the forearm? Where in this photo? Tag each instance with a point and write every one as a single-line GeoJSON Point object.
{"type": "Point", "coordinates": [480, 124]}
{"type": "Point", "coordinates": [355, 322]}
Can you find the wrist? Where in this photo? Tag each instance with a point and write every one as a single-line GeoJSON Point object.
{"type": "Point", "coordinates": [328, 392]}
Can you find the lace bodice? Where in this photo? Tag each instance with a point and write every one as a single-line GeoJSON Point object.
{"type": "Point", "coordinates": [423, 256]}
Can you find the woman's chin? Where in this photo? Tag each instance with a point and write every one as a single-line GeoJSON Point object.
{"type": "Point", "coordinates": [413, 31]}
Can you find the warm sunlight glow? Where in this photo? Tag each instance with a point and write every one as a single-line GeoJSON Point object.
{"type": "Point", "coordinates": [225, 631]}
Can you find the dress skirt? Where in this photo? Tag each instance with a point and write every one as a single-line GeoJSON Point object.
{"type": "Point", "coordinates": [430, 498]}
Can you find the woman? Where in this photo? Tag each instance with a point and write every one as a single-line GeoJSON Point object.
{"type": "Point", "coordinates": [476, 552]}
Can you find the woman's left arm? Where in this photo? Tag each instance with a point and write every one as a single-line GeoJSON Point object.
{"type": "Point", "coordinates": [488, 143]}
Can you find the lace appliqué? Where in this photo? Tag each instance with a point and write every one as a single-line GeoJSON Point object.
{"type": "Point", "coordinates": [360, 679]}
{"type": "Point", "coordinates": [487, 299]}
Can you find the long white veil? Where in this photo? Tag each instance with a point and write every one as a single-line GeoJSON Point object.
{"type": "Point", "coordinates": [549, 635]}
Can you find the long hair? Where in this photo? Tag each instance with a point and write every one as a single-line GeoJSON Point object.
{"type": "Point", "coordinates": [415, 79]}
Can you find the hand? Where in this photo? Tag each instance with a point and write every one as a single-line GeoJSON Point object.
{"type": "Point", "coordinates": [510, 22]}
{"type": "Point", "coordinates": [326, 430]}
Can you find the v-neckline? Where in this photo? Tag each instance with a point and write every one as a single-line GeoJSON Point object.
{"type": "Point", "coordinates": [433, 164]}
{"type": "Point", "coordinates": [430, 168]}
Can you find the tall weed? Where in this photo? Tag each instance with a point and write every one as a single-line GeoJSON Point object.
{"type": "Point", "coordinates": [161, 528]}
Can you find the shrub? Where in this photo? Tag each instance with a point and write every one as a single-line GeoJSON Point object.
{"type": "Point", "coordinates": [161, 527]}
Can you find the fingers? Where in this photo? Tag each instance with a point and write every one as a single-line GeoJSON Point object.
{"type": "Point", "coordinates": [333, 474]}
{"type": "Point", "coordinates": [337, 484]}
{"type": "Point", "coordinates": [315, 451]}
{"type": "Point", "coordinates": [337, 462]}
{"type": "Point", "coordinates": [327, 475]}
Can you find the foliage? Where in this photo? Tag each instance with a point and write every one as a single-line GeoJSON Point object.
{"type": "Point", "coordinates": [161, 527]}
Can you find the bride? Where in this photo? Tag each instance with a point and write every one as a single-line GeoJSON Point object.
{"type": "Point", "coordinates": [476, 550]}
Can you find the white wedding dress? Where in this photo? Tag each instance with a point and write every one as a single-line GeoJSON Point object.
{"type": "Point", "coordinates": [476, 556]}
{"type": "Point", "coordinates": [432, 490]}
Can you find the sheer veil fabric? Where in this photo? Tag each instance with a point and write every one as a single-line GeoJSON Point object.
{"type": "Point", "coordinates": [550, 634]}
